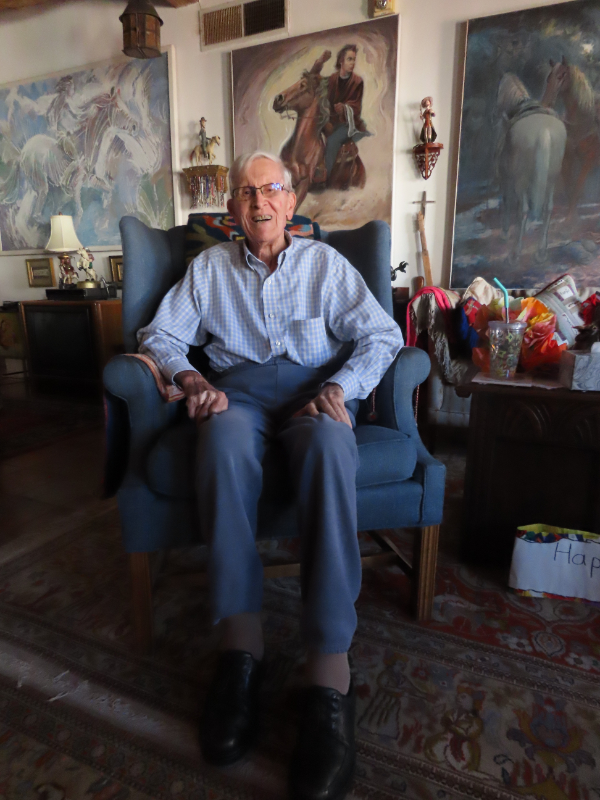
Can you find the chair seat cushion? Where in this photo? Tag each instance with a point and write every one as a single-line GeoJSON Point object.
{"type": "Point", "coordinates": [385, 456]}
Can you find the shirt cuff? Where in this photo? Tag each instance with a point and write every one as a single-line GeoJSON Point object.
{"type": "Point", "coordinates": [347, 381]}
{"type": "Point", "coordinates": [173, 367]}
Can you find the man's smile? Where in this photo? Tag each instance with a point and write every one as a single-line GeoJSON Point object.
{"type": "Point", "coordinates": [261, 218]}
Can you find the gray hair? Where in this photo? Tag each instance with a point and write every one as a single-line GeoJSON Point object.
{"type": "Point", "coordinates": [243, 161]}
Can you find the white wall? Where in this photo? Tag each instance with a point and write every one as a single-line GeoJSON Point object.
{"type": "Point", "coordinates": [39, 41]}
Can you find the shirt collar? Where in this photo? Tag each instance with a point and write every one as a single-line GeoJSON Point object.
{"type": "Point", "coordinates": [255, 262]}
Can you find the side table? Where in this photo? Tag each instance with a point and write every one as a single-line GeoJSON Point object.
{"type": "Point", "coordinates": [534, 456]}
{"type": "Point", "coordinates": [71, 340]}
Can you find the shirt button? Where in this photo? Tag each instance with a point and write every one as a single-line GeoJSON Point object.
{"type": "Point", "coordinates": [271, 315]}
{"type": "Point", "coordinates": [278, 343]}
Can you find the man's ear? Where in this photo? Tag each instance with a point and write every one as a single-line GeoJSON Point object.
{"type": "Point", "coordinates": [232, 210]}
{"type": "Point", "coordinates": [291, 205]}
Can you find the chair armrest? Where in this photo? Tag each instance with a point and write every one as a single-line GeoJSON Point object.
{"type": "Point", "coordinates": [394, 397]}
{"type": "Point", "coordinates": [394, 403]}
{"type": "Point", "coordinates": [136, 416]}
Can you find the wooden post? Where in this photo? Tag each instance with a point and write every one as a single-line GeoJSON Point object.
{"type": "Point", "coordinates": [141, 600]}
{"type": "Point", "coordinates": [424, 250]}
{"type": "Point", "coordinates": [424, 565]}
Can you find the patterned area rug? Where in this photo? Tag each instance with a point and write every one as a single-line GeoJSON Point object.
{"type": "Point", "coordinates": [497, 697]}
{"type": "Point", "coordinates": [29, 423]}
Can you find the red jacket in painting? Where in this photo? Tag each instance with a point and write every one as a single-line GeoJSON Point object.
{"type": "Point", "coordinates": [348, 91]}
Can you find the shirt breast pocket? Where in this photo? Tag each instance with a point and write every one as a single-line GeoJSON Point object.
{"type": "Point", "coordinates": [307, 342]}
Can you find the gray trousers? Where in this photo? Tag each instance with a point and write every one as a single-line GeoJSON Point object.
{"type": "Point", "coordinates": [322, 459]}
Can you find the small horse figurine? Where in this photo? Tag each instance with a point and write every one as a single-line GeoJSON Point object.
{"type": "Point", "coordinates": [197, 155]}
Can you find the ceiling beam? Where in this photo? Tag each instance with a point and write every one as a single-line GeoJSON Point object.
{"type": "Point", "coordinates": [18, 4]}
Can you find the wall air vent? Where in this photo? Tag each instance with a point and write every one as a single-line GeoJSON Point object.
{"type": "Point", "coordinates": [239, 20]}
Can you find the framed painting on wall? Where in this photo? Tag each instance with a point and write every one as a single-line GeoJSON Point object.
{"type": "Point", "coordinates": [326, 103]}
{"type": "Point", "coordinates": [116, 270]}
{"type": "Point", "coordinates": [93, 143]}
{"type": "Point", "coordinates": [40, 272]}
{"type": "Point", "coordinates": [528, 193]}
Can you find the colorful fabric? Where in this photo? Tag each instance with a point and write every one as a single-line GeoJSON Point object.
{"type": "Point", "coordinates": [307, 309]}
{"type": "Point", "coordinates": [207, 230]}
{"type": "Point", "coordinates": [466, 334]}
{"type": "Point", "coordinates": [441, 298]}
{"type": "Point", "coordinates": [588, 308]}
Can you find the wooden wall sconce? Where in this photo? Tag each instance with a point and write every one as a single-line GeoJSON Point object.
{"type": "Point", "coordinates": [427, 153]}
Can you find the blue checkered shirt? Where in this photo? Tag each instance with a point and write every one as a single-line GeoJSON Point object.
{"type": "Point", "coordinates": [306, 310]}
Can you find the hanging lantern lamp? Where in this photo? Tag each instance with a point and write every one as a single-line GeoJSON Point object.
{"type": "Point", "coordinates": [141, 30]}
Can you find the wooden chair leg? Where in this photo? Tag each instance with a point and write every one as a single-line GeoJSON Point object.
{"type": "Point", "coordinates": [424, 566]}
{"type": "Point", "coordinates": [141, 597]}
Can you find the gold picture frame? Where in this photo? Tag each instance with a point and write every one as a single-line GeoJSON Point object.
{"type": "Point", "coordinates": [116, 270]}
{"type": "Point", "coordinates": [40, 272]}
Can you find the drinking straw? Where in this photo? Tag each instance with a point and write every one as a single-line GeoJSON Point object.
{"type": "Point", "coordinates": [505, 296]}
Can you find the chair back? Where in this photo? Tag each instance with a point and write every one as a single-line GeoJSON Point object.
{"type": "Point", "coordinates": [154, 260]}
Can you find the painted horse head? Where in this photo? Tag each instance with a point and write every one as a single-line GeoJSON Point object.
{"type": "Point", "coordinates": [309, 92]}
{"type": "Point", "coordinates": [568, 82]}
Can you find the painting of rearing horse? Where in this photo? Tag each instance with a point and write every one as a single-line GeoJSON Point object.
{"type": "Point", "coordinates": [94, 144]}
{"type": "Point", "coordinates": [304, 153]}
{"type": "Point", "coordinates": [326, 103]}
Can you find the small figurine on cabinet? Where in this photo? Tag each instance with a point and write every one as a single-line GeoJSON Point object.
{"type": "Point", "coordinates": [205, 151]}
{"type": "Point", "coordinates": [428, 132]}
{"type": "Point", "coordinates": [68, 273]}
{"type": "Point", "coordinates": [84, 264]}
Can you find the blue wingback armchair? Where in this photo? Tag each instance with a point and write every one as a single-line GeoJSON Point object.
{"type": "Point", "coordinates": [151, 442]}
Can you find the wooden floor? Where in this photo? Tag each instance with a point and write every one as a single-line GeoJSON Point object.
{"type": "Point", "coordinates": [43, 488]}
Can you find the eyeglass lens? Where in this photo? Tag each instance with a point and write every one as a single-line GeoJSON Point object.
{"type": "Point", "coordinates": [248, 192]}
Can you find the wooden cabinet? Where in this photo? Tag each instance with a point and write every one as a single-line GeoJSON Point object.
{"type": "Point", "coordinates": [534, 456]}
{"type": "Point", "coordinates": [71, 340]}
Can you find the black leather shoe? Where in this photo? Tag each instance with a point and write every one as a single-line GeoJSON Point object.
{"type": "Point", "coordinates": [230, 719]}
{"type": "Point", "coordinates": [323, 761]}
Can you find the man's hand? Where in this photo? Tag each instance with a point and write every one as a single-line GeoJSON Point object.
{"type": "Point", "coordinates": [338, 108]}
{"type": "Point", "coordinates": [203, 400]}
{"type": "Point", "coordinates": [330, 401]}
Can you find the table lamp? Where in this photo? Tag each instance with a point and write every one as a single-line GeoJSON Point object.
{"type": "Point", "coordinates": [63, 239]}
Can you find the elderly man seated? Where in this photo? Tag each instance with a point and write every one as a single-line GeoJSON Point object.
{"type": "Point", "coordinates": [279, 311]}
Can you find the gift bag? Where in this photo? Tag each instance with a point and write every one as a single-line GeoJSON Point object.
{"type": "Point", "coordinates": [556, 562]}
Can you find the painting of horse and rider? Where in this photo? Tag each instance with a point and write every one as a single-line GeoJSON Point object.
{"type": "Point", "coordinates": [94, 144]}
{"type": "Point", "coordinates": [326, 104]}
{"type": "Point", "coordinates": [528, 194]}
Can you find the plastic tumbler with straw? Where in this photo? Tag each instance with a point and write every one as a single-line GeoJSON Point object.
{"type": "Point", "coordinates": [506, 339]}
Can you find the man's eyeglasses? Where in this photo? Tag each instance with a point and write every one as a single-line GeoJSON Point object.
{"type": "Point", "coordinates": [246, 193]}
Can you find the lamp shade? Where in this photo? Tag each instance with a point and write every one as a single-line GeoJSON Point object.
{"type": "Point", "coordinates": [62, 235]}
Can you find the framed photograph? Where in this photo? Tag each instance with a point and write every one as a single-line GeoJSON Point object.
{"type": "Point", "coordinates": [326, 103]}
{"type": "Point", "coordinates": [106, 131]}
{"type": "Point", "coordinates": [528, 193]}
{"type": "Point", "coordinates": [116, 270]}
{"type": "Point", "coordinates": [40, 272]}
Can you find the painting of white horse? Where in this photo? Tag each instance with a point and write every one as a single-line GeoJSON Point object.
{"type": "Point", "coordinates": [528, 194]}
{"type": "Point", "coordinates": [530, 156]}
{"type": "Point", "coordinates": [94, 143]}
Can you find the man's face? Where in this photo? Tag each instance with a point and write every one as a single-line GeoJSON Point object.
{"type": "Point", "coordinates": [262, 219]}
{"type": "Point", "coordinates": [348, 63]}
